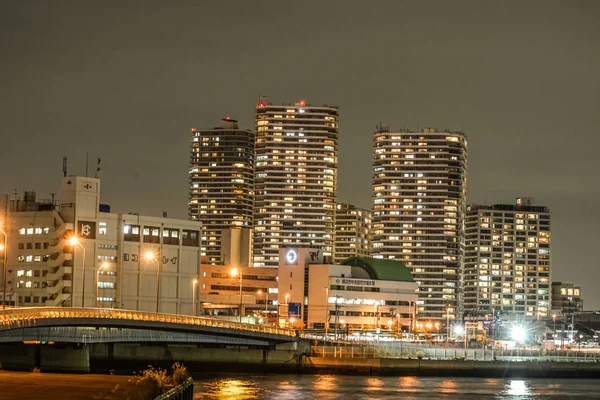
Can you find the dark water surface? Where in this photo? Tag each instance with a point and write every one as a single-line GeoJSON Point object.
{"type": "Point", "coordinates": [324, 387]}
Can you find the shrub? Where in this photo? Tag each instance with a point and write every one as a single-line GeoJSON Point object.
{"type": "Point", "coordinates": [180, 374]}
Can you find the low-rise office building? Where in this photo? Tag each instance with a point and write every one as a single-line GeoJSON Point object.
{"type": "Point", "coordinates": [361, 293]}
{"type": "Point", "coordinates": [118, 260]}
{"type": "Point", "coordinates": [220, 291]}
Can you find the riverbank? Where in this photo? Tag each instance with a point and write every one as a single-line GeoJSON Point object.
{"type": "Point", "coordinates": [458, 368]}
{"type": "Point", "coordinates": [44, 386]}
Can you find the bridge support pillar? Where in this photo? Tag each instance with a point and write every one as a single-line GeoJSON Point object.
{"type": "Point", "coordinates": [65, 359]}
{"type": "Point", "coordinates": [18, 357]}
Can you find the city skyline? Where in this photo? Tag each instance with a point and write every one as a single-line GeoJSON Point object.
{"type": "Point", "coordinates": [524, 91]}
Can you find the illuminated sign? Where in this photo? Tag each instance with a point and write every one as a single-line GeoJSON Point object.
{"type": "Point", "coordinates": [354, 282]}
{"type": "Point", "coordinates": [291, 257]}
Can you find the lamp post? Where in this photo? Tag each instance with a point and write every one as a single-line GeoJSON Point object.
{"type": "Point", "coordinates": [103, 266]}
{"type": "Point", "coordinates": [74, 242]}
{"type": "Point", "coordinates": [447, 325]}
{"type": "Point", "coordinates": [238, 272]}
{"type": "Point", "coordinates": [326, 311]}
{"type": "Point", "coordinates": [194, 283]}
{"type": "Point", "coordinates": [287, 304]}
{"type": "Point", "coordinates": [266, 305]}
{"type": "Point", "coordinates": [4, 248]}
{"type": "Point", "coordinates": [150, 256]}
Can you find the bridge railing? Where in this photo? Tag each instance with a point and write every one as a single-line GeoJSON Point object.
{"type": "Point", "coordinates": [26, 317]}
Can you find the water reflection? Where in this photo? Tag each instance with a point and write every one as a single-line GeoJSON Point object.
{"type": "Point", "coordinates": [448, 386]}
{"type": "Point", "coordinates": [517, 389]}
{"type": "Point", "coordinates": [374, 384]}
{"type": "Point", "coordinates": [325, 387]}
{"type": "Point", "coordinates": [231, 389]}
{"type": "Point", "coordinates": [408, 382]}
{"type": "Point", "coordinates": [326, 383]}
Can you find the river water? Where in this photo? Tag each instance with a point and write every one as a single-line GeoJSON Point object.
{"type": "Point", "coordinates": [323, 387]}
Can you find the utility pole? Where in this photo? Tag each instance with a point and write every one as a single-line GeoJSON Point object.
{"type": "Point", "coordinates": [337, 308]}
{"type": "Point", "coordinates": [326, 312]}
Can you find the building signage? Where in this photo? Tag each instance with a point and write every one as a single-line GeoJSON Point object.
{"type": "Point", "coordinates": [354, 282]}
{"type": "Point", "coordinates": [315, 256]}
{"type": "Point", "coordinates": [291, 257]}
{"type": "Point", "coordinates": [294, 310]}
{"type": "Point", "coordinates": [86, 229]}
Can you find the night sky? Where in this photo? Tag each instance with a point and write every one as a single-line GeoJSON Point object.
{"type": "Point", "coordinates": [126, 82]}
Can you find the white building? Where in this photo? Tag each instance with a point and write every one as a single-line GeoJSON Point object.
{"type": "Point", "coordinates": [419, 202]}
{"type": "Point", "coordinates": [361, 294]}
{"type": "Point", "coordinates": [508, 260]}
{"type": "Point", "coordinates": [295, 178]}
{"type": "Point", "coordinates": [45, 269]}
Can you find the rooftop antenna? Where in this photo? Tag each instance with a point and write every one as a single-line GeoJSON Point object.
{"type": "Point", "coordinates": [97, 168]}
{"type": "Point", "coordinates": [86, 164]}
{"type": "Point", "coordinates": [65, 166]}
{"type": "Point", "coordinates": [53, 195]}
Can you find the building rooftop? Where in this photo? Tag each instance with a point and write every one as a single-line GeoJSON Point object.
{"type": "Point", "coordinates": [381, 269]}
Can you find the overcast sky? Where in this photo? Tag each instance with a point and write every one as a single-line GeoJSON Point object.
{"type": "Point", "coordinates": [125, 81]}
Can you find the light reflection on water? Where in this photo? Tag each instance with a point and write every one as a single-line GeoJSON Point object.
{"type": "Point", "coordinates": [324, 387]}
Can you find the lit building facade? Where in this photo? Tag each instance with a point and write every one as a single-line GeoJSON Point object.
{"type": "Point", "coordinates": [352, 232]}
{"type": "Point", "coordinates": [567, 298]}
{"type": "Point", "coordinates": [107, 267]}
{"type": "Point", "coordinates": [508, 260]}
{"type": "Point", "coordinates": [295, 178]}
{"type": "Point", "coordinates": [361, 293]}
{"type": "Point", "coordinates": [220, 292]}
{"type": "Point", "coordinates": [419, 202]}
{"type": "Point", "coordinates": [221, 183]}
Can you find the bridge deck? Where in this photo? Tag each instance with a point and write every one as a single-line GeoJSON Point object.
{"type": "Point", "coordinates": [21, 318]}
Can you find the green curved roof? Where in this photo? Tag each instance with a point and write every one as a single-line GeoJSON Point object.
{"type": "Point", "coordinates": [382, 269]}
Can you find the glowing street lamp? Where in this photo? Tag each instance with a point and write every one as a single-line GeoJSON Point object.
{"type": "Point", "coordinates": [518, 334]}
{"type": "Point", "coordinates": [150, 256]}
{"type": "Point", "coordinates": [5, 260]}
{"type": "Point", "coordinates": [238, 272]}
{"type": "Point", "coordinates": [266, 305]}
{"type": "Point", "coordinates": [103, 266]}
{"type": "Point", "coordinates": [194, 283]}
{"type": "Point", "coordinates": [74, 242]}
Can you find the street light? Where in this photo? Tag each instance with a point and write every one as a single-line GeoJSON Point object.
{"type": "Point", "coordinates": [103, 266]}
{"type": "Point", "coordinates": [74, 242]}
{"type": "Point", "coordinates": [194, 283]}
{"type": "Point", "coordinates": [150, 256]}
{"type": "Point", "coordinates": [238, 272]}
{"type": "Point", "coordinates": [5, 260]}
{"type": "Point", "coordinates": [266, 306]}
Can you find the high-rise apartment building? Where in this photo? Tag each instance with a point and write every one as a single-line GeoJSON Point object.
{"type": "Point", "coordinates": [419, 201]}
{"type": "Point", "coordinates": [295, 178]}
{"type": "Point", "coordinates": [566, 298]}
{"type": "Point", "coordinates": [352, 232]}
{"type": "Point", "coordinates": [221, 183]}
{"type": "Point", "coordinates": [508, 259]}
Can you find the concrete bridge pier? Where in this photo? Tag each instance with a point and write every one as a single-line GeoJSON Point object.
{"type": "Point", "coordinates": [48, 358]}
{"type": "Point", "coordinates": [74, 359]}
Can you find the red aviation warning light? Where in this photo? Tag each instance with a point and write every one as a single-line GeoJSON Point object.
{"type": "Point", "coordinates": [193, 129]}
{"type": "Point", "coordinates": [302, 103]}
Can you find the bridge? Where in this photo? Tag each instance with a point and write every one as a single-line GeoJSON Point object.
{"type": "Point", "coordinates": [99, 325]}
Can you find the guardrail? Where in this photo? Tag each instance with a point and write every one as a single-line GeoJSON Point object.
{"type": "Point", "coordinates": [14, 318]}
{"type": "Point", "coordinates": [413, 350]}
{"type": "Point", "coordinates": [185, 391]}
